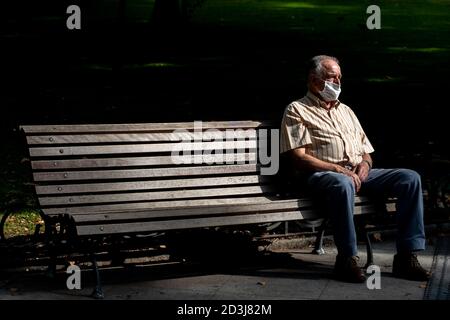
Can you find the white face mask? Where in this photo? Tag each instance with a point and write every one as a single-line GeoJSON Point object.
{"type": "Point", "coordinates": [331, 91]}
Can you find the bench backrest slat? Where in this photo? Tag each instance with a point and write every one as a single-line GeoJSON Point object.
{"type": "Point", "coordinates": [156, 195]}
{"type": "Point", "coordinates": [213, 135]}
{"type": "Point", "coordinates": [178, 147]}
{"type": "Point", "coordinates": [144, 173]}
{"type": "Point", "coordinates": [141, 127]}
{"type": "Point", "coordinates": [132, 206]}
{"type": "Point", "coordinates": [248, 157]}
{"type": "Point", "coordinates": [61, 189]}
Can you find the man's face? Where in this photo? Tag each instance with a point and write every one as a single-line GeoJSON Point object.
{"type": "Point", "coordinates": [331, 73]}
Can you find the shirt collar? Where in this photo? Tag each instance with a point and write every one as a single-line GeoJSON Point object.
{"type": "Point", "coordinates": [319, 103]}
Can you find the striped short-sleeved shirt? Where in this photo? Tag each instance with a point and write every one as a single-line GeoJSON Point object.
{"type": "Point", "coordinates": [333, 135]}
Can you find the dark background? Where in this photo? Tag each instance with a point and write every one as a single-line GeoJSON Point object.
{"type": "Point", "coordinates": [152, 61]}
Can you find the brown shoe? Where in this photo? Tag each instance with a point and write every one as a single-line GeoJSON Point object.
{"type": "Point", "coordinates": [407, 266]}
{"type": "Point", "coordinates": [346, 269]}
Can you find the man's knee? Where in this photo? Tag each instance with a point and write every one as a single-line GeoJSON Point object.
{"type": "Point", "coordinates": [410, 177]}
{"type": "Point", "coordinates": [332, 183]}
{"type": "Point", "coordinates": [342, 183]}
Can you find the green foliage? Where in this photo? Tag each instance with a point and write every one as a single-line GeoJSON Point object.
{"type": "Point", "coordinates": [414, 35]}
{"type": "Point", "coordinates": [22, 223]}
{"type": "Point", "coordinates": [16, 186]}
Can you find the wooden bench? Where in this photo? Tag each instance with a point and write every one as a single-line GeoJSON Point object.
{"type": "Point", "coordinates": [105, 179]}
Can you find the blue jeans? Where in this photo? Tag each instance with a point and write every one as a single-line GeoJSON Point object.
{"type": "Point", "coordinates": [335, 194]}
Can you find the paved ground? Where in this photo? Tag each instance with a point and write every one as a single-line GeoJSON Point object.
{"type": "Point", "coordinates": [292, 274]}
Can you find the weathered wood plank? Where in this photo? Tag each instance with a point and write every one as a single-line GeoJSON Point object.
{"type": "Point", "coordinates": [233, 158]}
{"type": "Point", "coordinates": [178, 148]}
{"type": "Point", "coordinates": [140, 127]}
{"type": "Point", "coordinates": [205, 222]}
{"type": "Point", "coordinates": [274, 206]}
{"type": "Point", "coordinates": [61, 189]}
{"type": "Point", "coordinates": [184, 204]}
{"type": "Point", "coordinates": [193, 223]}
{"type": "Point", "coordinates": [144, 173]}
{"type": "Point", "coordinates": [156, 195]}
{"type": "Point", "coordinates": [120, 207]}
{"type": "Point", "coordinates": [187, 136]}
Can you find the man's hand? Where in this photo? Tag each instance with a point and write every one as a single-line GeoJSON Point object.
{"type": "Point", "coordinates": [356, 179]}
{"type": "Point", "coordinates": [362, 170]}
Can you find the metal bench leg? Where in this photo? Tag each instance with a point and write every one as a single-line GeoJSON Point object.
{"type": "Point", "coordinates": [318, 246]}
{"type": "Point", "coordinates": [51, 269]}
{"type": "Point", "coordinates": [50, 239]}
{"type": "Point", "coordinates": [369, 250]}
{"type": "Point", "coordinates": [98, 291]}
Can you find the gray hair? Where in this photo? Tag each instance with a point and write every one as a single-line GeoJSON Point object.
{"type": "Point", "coordinates": [315, 64]}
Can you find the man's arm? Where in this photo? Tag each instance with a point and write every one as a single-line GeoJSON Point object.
{"type": "Point", "coordinates": [306, 161]}
{"type": "Point", "coordinates": [368, 158]}
{"type": "Point", "coordinates": [363, 168]}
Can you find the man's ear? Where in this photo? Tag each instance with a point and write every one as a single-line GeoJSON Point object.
{"type": "Point", "coordinates": [314, 82]}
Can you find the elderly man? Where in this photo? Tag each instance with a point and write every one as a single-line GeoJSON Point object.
{"type": "Point", "coordinates": [330, 152]}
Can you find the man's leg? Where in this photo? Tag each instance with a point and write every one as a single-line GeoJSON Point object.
{"type": "Point", "coordinates": [334, 193]}
{"type": "Point", "coordinates": [405, 185]}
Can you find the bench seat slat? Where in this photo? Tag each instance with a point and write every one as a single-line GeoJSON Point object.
{"type": "Point", "coordinates": [217, 210]}
{"type": "Point", "coordinates": [224, 220]}
{"type": "Point", "coordinates": [192, 223]}
{"type": "Point", "coordinates": [184, 204]}
{"type": "Point", "coordinates": [274, 206]}
{"type": "Point", "coordinates": [144, 173]}
{"type": "Point", "coordinates": [156, 195]}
